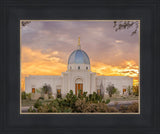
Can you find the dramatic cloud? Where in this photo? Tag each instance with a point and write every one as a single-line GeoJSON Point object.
{"type": "Point", "coordinates": [46, 46]}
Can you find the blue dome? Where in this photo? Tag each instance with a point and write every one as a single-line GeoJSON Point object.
{"type": "Point", "coordinates": [78, 57]}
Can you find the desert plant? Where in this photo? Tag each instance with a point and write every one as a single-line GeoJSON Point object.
{"type": "Point", "coordinates": [28, 96]}
{"type": "Point", "coordinates": [123, 108]}
{"type": "Point", "coordinates": [38, 91]}
{"type": "Point", "coordinates": [112, 109]}
{"type": "Point", "coordinates": [59, 96]}
{"type": "Point", "coordinates": [129, 90]}
{"type": "Point", "coordinates": [31, 109]}
{"type": "Point", "coordinates": [23, 95]}
{"type": "Point", "coordinates": [95, 98]}
{"type": "Point", "coordinates": [136, 90]}
{"type": "Point", "coordinates": [111, 90]}
{"type": "Point", "coordinates": [67, 110]}
{"type": "Point", "coordinates": [102, 107]}
{"type": "Point", "coordinates": [84, 95]}
{"type": "Point", "coordinates": [44, 108]}
{"type": "Point", "coordinates": [84, 107]}
{"type": "Point", "coordinates": [133, 107]}
{"type": "Point", "coordinates": [46, 89]}
{"type": "Point", "coordinates": [80, 105]}
{"type": "Point", "coordinates": [41, 98]}
{"type": "Point", "coordinates": [107, 101]}
{"type": "Point", "coordinates": [71, 99]}
{"type": "Point", "coordinates": [38, 103]}
{"type": "Point", "coordinates": [74, 103]}
{"type": "Point", "coordinates": [79, 93]}
{"type": "Point", "coordinates": [90, 107]}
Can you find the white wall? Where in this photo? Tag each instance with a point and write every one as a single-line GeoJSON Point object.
{"type": "Point", "coordinates": [120, 82]}
{"type": "Point", "coordinates": [38, 81]}
{"type": "Point", "coordinates": [69, 78]}
{"type": "Point", "coordinates": [66, 81]}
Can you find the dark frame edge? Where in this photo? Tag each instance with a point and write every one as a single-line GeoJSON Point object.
{"type": "Point", "coordinates": [3, 35]}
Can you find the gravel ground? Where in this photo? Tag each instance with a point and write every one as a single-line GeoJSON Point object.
{"type": "Point", "coordinates": [118, 103]}
{"type": "Point", "coordinates": [122, 102]}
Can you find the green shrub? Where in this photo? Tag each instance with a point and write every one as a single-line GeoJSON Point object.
{"type": "Point", "coordinates": [44, 109]}
{"type": "Point", "coordinates": [107, 101]}
{"type": "Point", "coordinates": [129, 90]}
{"type": "Point", "coordinates": [41, 98]}
{"type": "Point", "coordinates": [50, 95]}
{"type": "Point", "coordinates": [95, 98]}
{"type": "Point", "coordinates": [136, 94]}
{"type": "Point", "coordinates": [111, 90]}
{"type": "Point", "coordinates": [71, 99]}
{"type": "Point", "coordinates": [38, 103]}
{"type": "Point", "coordinates": [59, 96]}
{"type": "Point", "coordinates": [46, 89]}
{"type": "Point", "coordinates": [81, 104]}
{"type": "Point", "coordinates": [38, 91]}
{"type": "Point", "coordinates": [23, 95]}
{"type": "Point", "coordinates": [28, 96]}
{"type": "Point", "coordinates": [31, 110]}
{"type": "Point", "coordinates": [67, 110]}
{"type": "Point", "coordinates": [135, 90]}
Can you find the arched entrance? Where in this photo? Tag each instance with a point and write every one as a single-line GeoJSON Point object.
{"type": "Point", "coordinates": [78, 86]}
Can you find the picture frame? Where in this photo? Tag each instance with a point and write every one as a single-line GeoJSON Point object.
{"type": "Point", "coordinates": [81, 81]}
{"type": "Point", "coordinates": [148, 121]}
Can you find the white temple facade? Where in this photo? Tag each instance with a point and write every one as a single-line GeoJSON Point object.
{"type": "Point", "coordinates": [77, 77]}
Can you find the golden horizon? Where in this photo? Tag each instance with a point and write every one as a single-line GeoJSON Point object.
{"type": "Point", "coordinates": [41, 54]}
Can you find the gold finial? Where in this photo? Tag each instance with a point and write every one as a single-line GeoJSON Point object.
{"type": "Point", "coordinates": [78, 41]}
{"type": "Point", "coordinates": [79, 45]}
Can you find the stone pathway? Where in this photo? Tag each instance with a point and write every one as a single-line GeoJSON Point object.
{"type": "Point", "coordinates": [25, 109]}
{"type": "Point", "coordinates": [122, 102]}
{"type": "Point", "coordinates": [118, 103]}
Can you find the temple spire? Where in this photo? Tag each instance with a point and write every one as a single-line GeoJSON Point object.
{"type": "Point", "coordinates": [79, 45]}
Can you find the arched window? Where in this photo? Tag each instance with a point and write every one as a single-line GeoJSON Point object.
{"type": "Point", "coordinates": [78, 67]}
{"type": "Point", "coordinates": [86, 68]}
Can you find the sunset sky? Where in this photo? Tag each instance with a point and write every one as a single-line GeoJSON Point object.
{"type": "Point", "coordinates": [46, 46]}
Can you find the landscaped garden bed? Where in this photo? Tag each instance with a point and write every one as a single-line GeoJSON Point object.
{"type": "Point", "coordinates": [81, 103]}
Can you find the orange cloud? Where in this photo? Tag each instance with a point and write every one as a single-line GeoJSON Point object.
{"type": "Point", "coordinates": [127, 68]}
{"type": "Point", "coordinates": [34, 62]}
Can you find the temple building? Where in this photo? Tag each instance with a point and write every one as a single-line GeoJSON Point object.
{"type": "Point", "coordinates": [77, 77]}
